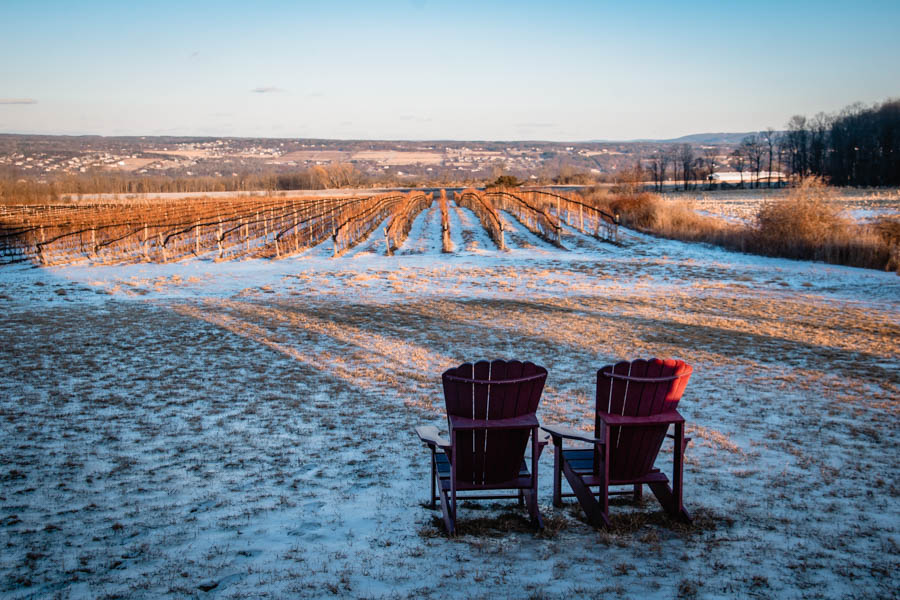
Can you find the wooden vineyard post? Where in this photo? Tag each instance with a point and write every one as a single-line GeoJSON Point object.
{"type": "Point", "coordinates": [94, 242]}
{"type": "Point", "coordinates": [219, 240]}
{"type": "Point", "coordinates": [40, 247]}
{"type": "Point", "coordinates": [581, 218]}
{"type": "Point", "coordinates": [197, 239]}
{"type": "Point", "coordinates": [387, 242]}
{"type": "Point", "coordinates": [145, 245]}
{"type": "Point", "coordinates": [162, 247]}
{"type": "Point", "coordinates": [247, 236]}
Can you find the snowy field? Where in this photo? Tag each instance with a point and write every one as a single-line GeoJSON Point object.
{"type": "Point", "coordinates": [245, 429]}
{"type": "Point", "coordinates": [859, 204]}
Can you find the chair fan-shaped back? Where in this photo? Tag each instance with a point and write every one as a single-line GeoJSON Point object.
{"type": "Point", "coordinates": [637, 389]}
{"type": "Point", "coordinates": [491, 391]}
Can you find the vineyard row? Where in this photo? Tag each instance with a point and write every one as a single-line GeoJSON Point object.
{"type": "Point", "coordinates": [268, 227]}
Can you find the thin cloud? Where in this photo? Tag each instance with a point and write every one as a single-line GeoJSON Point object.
{"type": "Point", "coordinates": [18, 101]}
{"type": "Point", "coordinates": [269, 89]}
{"type": "Point", "coordinates": [535, 125]}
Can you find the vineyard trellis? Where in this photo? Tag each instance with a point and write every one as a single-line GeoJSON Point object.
{"type": "Point", "coordinates": [154, 230]}
{"type": "Point", "coordinates": [483, 208]}
{"type": "Point", "coordinates": [401, 221]}
{"type": "Point", "coordinates": [575, 212]}
{"type": "Point", "coordinates": [532, 216]}
{"type": "Point", "coordinates": [163, 231]}
{"type": "Point", "coordinates": [446, 243]}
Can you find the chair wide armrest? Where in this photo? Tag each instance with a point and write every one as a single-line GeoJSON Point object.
{"type": "Point", "coordinates": [524, 422]}
{"type": "Point", "coordinates": [664, 418]}
{"type": "Point", "coordinates": [429, 435]}
{"type": "Point", "coordinates": [557, 432]}
{"type": "Point", "coordinates": [543, 438]}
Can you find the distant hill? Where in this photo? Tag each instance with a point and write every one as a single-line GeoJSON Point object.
{"type": "Point", "coordinates": [710, 138]}
{"type": "Point", "coordinates": [694, 138]}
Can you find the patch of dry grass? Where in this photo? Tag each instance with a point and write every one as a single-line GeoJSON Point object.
{"type": "Point", "coordinates": [807, 224]}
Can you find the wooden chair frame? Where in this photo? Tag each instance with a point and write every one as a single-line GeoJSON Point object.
{"type": "Point", "coordinates": [446, 484]}
{"type": "Point", "coordinates": [589, 468]}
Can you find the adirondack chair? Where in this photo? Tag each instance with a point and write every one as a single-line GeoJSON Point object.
{"type": "Point", "coordinates": [491, 413]}
{"type": "Point", "coordinates": [636, 403]}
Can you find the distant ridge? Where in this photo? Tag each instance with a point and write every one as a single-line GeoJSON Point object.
{"type": "Point", "coordinates": [711, 138]}
{"type": "Point", "coordinates": [694, 138]}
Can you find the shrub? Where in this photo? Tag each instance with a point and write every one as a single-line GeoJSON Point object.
{"type": "Point", "coordinates": [807, 219]}
{"type": "Point", "coordinates": [809, 225]}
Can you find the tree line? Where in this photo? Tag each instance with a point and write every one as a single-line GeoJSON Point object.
{"type": "Point", "coordinates": [857, 146]}
{"type": "Point", "coordinates": [319, 177]}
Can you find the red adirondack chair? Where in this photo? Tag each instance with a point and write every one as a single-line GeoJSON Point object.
{"type": "Point", "coordinates": [491, 413]}
{"type": "Point", "coordinates": [636, 403]}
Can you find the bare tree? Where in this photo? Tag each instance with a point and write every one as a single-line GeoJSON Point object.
{"type": "Point", "coordinates": [709, 162]}
{"type": "Point", "coordinates": [686, 158]}
{"type": "Point", "coordinates": [798, 145]}
{"type": "Point", "coordinates": [740, 162]}
{"type": "Point", "coordinates": [818, 143]}
{"type": "Point", "coordinates": [754, 149]}
{"type": "Point", "coordinates": [769, 138]}
{"type": "Point", "coordinates": [658, 166]}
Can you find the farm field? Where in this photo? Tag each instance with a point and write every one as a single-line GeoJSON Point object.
{"type": "Point", "coordinates": [742, 205]}
{"type": "Point", "coordinates": [244, 427]}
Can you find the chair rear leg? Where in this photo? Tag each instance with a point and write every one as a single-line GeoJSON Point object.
{"type": "Point", "coordinates": [678, 474]}
{"type": "Point", "coordinates": [433, 497]}
{"type": "Point", "coordinates": [671, 497]}
{"type": "Point", "coordinates": [638, 492]}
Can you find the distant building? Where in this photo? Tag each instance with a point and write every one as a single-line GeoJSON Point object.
{"type": "Point", "coordinates": [735, 177]}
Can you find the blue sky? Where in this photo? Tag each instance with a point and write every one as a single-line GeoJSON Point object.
{"type": "Point", "coordinates": [426, 69]}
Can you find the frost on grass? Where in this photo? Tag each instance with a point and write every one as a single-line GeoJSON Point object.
{"type": "Point", "coordinates": [245, 429]}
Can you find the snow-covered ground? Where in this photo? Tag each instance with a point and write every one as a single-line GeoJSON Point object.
{"type": "Point", "coordinates": [245, 429]}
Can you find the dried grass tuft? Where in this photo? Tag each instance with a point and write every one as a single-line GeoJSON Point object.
{"type": "Point", "coordinates": [807, 225]}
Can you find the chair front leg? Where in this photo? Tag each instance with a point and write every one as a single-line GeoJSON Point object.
{"type": "Point", "coordinates": [535, 454]}
{"type": "Point", "coordinates": [531, 495]}
{"type": "Point", "coordinates": [557, 471]}
{"type": "Point", "coordinates": [453, 464]}
{"type": "Point", "coordinates": [604, 484]}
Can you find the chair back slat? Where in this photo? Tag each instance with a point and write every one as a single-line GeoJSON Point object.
{"type": "Point", "coordinates": [648, 387]}
{"type": "Point", "coordinates": [491, 391]}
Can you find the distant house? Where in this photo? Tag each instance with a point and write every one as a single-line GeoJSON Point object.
{"type": "Point", "coordinates": [735, 177]}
